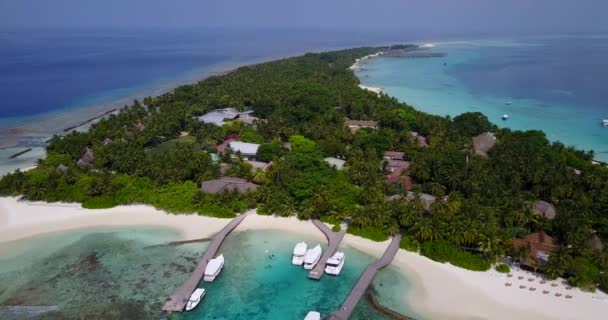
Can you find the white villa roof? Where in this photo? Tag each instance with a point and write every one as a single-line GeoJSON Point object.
{"type": "Point", "coordinates": [245, 148]}
{"type": "Point", "coordinates": [217, 117]}
{"type": "Point", "coordinates": [335, 162]}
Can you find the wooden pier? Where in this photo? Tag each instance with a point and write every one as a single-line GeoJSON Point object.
{"type": "Point", "coordinates": [365, 280]}
{"type": "Point", "coordinates": [178, 300]}
{"type": "Point", "coordinates": [333, 240]}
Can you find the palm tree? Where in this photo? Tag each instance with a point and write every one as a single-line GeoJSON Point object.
{"type": "Point", "coordinates": [259, 176]}
{"type": "Point", "coordinates": [425, 230]}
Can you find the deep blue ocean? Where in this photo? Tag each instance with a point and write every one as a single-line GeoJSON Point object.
{"type": "Point", "coordinates": [554, 84]}
{"type": "Point", "coordinates": [54, 79]}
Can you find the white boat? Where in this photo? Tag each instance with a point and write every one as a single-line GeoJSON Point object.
{"type": "Point", "coordinates": [505, 116]}
{"type": "Point", "coordinates": [335, 263]}
{"type": "Point", "coordinates": [508, 103]}
{"type": "Point", "coordinates": [214, 267]}
{"type": "Point", "coordinates": [605, 122]}
{"type": "Point", "coordinates": [299, 251]}
{"type": "Point", "coordinates": [312, 257]}
{"type": "Point", "coordinates": [195, 298]}
{"type": "Point", "coordinates": [313, 315]}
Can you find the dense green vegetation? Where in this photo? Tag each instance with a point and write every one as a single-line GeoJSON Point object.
{"type": "Point", "coordinates": [483, 202]}
{"type": "Point", "coordinates": [503, 268]}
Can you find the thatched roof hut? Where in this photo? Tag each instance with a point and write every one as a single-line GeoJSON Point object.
{"type": "Point", "coordinates": [540, 246]}
{"type": "Point", "coordinates": [595, 243]}
{"type": "Point", "coordinates": [544, 208]}
{"type": "Point", "coordinates": [87, 158]}
{"type": "Point", "coordinates": [225, 184]}
{"type": "Point", "coordinates": [483, 143]}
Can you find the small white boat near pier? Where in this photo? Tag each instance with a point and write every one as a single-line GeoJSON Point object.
{"type": "Point", "coordinates": [299, 251]}
{"type": "Point", "coordinates": [214, 267]}
{"type": "Point", "coordinates": [313, 315]}
{"type": "Point", "coordinates": [335, 263]}
{"type": "Point", "coordinates": [312, 257]}
{"type": "Point", "coordinates": [195, 298]}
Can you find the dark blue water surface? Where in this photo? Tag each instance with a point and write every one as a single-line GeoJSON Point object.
{"type": "Point", "coordinates": [558, 70]}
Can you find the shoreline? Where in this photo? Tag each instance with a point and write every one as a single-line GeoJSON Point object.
{"type": "Point", "coordinates": [462, 294]}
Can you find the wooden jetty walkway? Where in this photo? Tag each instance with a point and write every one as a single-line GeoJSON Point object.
{"type": "Point", "coordinates": [365, 280]}
{"type": "Point", "coordinates": [177, 301]}
{"type": "Point", "coordinates": [333, 240]}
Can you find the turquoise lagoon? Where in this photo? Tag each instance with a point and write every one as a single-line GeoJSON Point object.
{"type": "Point", "coordinates": [127, 274]}
{"type": "Point", "coordinates": [554, 84]}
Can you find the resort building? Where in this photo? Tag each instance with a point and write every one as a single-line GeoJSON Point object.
{"type": "Point", "coordinates": [87, 158]}
{"type": "Point", "coordinates": [428, 199]}
{"type": "Point", "coordinates": [355, 125]}
{"type": "Point", "coordinates": [395, 169]}
{"type": "Point", "coordinates": [540, 246]}
{"type": "Point", "coordinates": [393, 155]}
{"type": "Point", "coordinates": [258, 164]}
{"type": "Point", "coordinates": [247, 150]}
{"type": "Point", "coordinates": [227, 184]}
{"type": "Point", "coordinates": [544, 208]}
{"type": "Point", "coordinates": [421, 140]}
{"type": "Point", "coordinates": [483, 143]}
{"type": "Point", "coordinates": [338, 164]}
{"type": "Point", "coordinates": [218, 117]}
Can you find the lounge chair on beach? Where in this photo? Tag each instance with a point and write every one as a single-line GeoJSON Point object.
{"type": "Point", "coordinates": [558, 294]}
{"type": "Point", "coordinates": [522, 287]}
{"type": "Point", "coordinates": [532, 289]}
{"type": "Point", "coordinates": [545, 291]}
{"type": "Point", "coordinates": [554, 284]}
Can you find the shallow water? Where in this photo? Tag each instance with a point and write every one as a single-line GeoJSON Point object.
{"type": "Point", "coordinates": [553, 84]}
{"type": "Point", "coordinates": [122, 274]}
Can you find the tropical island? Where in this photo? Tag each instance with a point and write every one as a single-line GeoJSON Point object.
{"type": "Point", "coordinates": [299, 137]}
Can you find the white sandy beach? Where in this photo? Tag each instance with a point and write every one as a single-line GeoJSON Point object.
{"type": "Point", "coordinates": [440, 291]}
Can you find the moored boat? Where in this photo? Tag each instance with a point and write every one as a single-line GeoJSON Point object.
{"type": "Point", "coordinates": [214, 267]}
{"type": "Point", "coordinates": [335, 263]}
{"type": "Point", "coordinates": [505, 116]}
{"type": "Point", "coordinates": [605, 122]}
{"type": "Point", "coordinates": [299, 251]}
{"type": "Point", "coordinates": [312, 257]}
{"type": "Point", "coordinates": [313, 315]}
{"type": "Point", "coordinates": [195, 298]}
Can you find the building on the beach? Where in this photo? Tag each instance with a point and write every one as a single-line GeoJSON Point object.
{"type": "Point", "coordinates": [247, 150]}
{"type": "Point", "coordinates": [539, 245]}
{"type": "Point", "coordinates": [336, 163]}
{"type": "Point", "coordinates": [355, 125]}
{"type": "Point", "coordinates": [545, 209]}
{"type": "Point", "coordinates": [227, 184]}
{"type": "Point", "coordinates": [222, 147]}
{"type": "Point", "coordinates": [483, 143]}
{"type": "Point", "coordinates": [394, 155]}
{"type": "Point", "coordinates": [421, 140]}
{"type": "Point", "coordinates": [87, 158]}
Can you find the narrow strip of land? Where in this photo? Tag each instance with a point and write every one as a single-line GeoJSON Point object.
{"type": "Point", "coordinates": [333, 240]}
{"type": "Point", "coordinates": [177, 301]}
{"type": "Point", "coordinates": [365, 280]}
